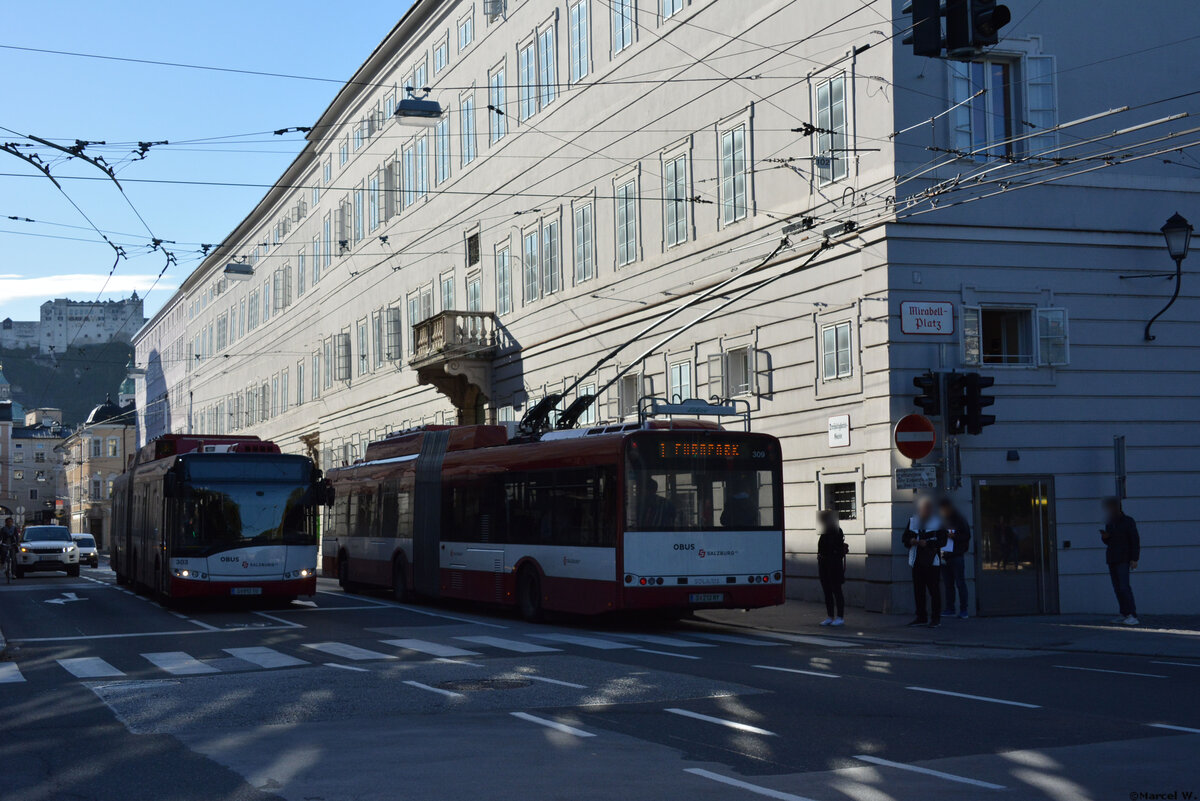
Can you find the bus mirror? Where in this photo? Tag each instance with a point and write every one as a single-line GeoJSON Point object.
{"type": "Point", "coordinates": [327, 493]}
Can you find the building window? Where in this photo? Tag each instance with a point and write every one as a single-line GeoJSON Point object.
{"type": "Point", "coordinates": [474, 294]}
{"type": "Point", "coordinates": [584, 257]}
{"type": "Point", "coordinates": [681, 381]}
{"type": "Point", "coordinates": [626, 224]}
{"type": "Point", "coordinates": [299, 383]}
{"type": "Point", "coordinates": [316, 376]}
{"type": "Point", "coordinates": [114, 447]}
{"type": "Point", "coordinates": [408, 194]}
{"type": "Point", "coordinates": [588, 418]}
{"type": "Point", "coordinates": [1015, 336]}
{"type": "Point", "coordinates": [359, 130]}
{"type": "Point", "coordinates": [358, 215]}
{"type": "Point", "coordinates": [33, 495]}
{"type": "Point", "coordinates": [733, 175]}
{"type": "Point", "coordinates": [629, 390]}
{"type": "Point", "coordinates": [985, 119]}
{"type": "Point", "coordinates": [843, 499]}
{"type": "Point", "coordinates": [547, 72]}
{"type": "Point", "coordinates": [327, 362]}
{"type": "Point", "coordinates": [377, 342]}
{"type": "Point", "coordinates": [466, 32]}
{"type": "Point", "coordinates": [835, 351]}
{"type": "Point", "coordinates": [96, 445]}
{"type": "Point", "coordinates": [497, 122]}
{"type": "Point", "coordinates": [301, 273]}
{"type": "Point", "coordinates": [739, 372]}
{"type": "Point", "coordinates": [530, 263]}
{"type": "Point", "coordinates": [284, 392]}
{"type": "Point", "coordinates": [675, 198]}
{"type": "Point", "coordinates": [580, 41]}
{"type": "Point", "coordinates": [622, 24]}
{"type": "Point", "coordinates": [526, 81]}
{"type": "Point", "coordinates": [422, 156]}
{"type": "Point", "coordinates": [373, 201]}
{"type": "Point", "coordinates": [466, 124]}
{"type": "Point", "coordinates": [441, 56]}
{"type": "Point", "coordinates": [343, 153]}
{"type": "Point", "coordinates": [18, 475]}
{"type": "Point", "coordinates": [364, 356]}
{"type": "Point", "coordinates": [441, 151]}
{"type": "Point", "coordinates": [448, 292]}
{"type": "Point", "coordinates": [420, 78]}
{"type": "Point", "coordinates": [671, 7]}
{"type": "Point", "coordinates": [503, 282]}
{"type": "Point", "coordinates": [551, 259]}
{"type": "Point", "coordinates": [830, 143]}
{"type": "Point", "coordinates": [39, 475]}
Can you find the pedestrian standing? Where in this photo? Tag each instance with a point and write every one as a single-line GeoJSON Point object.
{"type": "Point", "coordinates": [954, 558]}
{"type": "Point", "coordinates": [1124, 543]}
{"type": "Point", "coordinates": [925, 538]}
{"type": "Point", "coordinates": [831, 567]}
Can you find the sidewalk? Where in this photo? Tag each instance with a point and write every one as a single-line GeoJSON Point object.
{"type": "Point", "coordinates": [1176, 636]}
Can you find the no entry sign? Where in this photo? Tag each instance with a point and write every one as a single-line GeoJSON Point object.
{"type": "Point", "coordinates": [915, 436]}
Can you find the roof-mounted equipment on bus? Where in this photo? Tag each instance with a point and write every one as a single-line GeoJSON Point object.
{"type": "Point", "coordinates": [537, 419]}
{"type": "Point", "coordinates": [719, 407]}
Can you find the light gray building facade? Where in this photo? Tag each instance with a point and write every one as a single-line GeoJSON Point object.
{"type": "Point", "coordinates": [601, 162]}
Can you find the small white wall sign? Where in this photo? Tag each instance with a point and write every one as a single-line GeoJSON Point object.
{"type": "Point", "coordinates": [839, 431]}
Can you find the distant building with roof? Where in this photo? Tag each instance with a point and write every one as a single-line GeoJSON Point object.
{"type": "Point", "coordinates": [32, 484]}
{"type": "Point", "coordinates": [66, 322]}
{"type": "Point", "coordinates": [93, 456]}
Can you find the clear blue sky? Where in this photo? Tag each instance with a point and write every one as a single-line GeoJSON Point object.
{"type": "Point", "coordinates": [65, 98]}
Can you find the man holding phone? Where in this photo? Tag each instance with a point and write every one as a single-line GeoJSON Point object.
{"type": "Point", "coordinates": [1120, 534]}
{"type": "Point", "coordinates": [925, 539]}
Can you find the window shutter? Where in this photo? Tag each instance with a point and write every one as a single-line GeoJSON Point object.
{"type": "Point", "coordinates": [971, 336]}
{"type": "Point", "coordinates": [1042, 102]}
{"type": "Point", "coordinates": [1053, 343]}
{"type": "Point", "coordinates": [395, 333]}
{"type": "Point", "coordinates": [389, 191]}
{"type": "Point", "coordinates": [960, 117]}
{"type": "Point", "coordinates": [716, 375]}
{"type": "Point", "coordinates": [760, 364]}
{"type": "Point", "coordinates": [342, 357]}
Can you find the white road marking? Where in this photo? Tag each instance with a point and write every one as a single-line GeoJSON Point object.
{"type": "Point", "coordinates": [666, 653]}
{"type": "Point", "coordinates": [559, 682]}
{"type": "Point", "coordinates": [265, 657]}
{"type": "Point", "coordinates": [202, 624]}
{"type": "Point", "coordinates": [975, 697]}
{"type": "Point", "coordinates": [808, 639]}
{"type": "Point", "coordinates": [801, 672]}
{"type": "Point", "coordinates": [674, 642]}
{"type": "Point", "coordinates": [89, 667]}
{"type": "Point", "coordinates": [438, 690]}
{"type": "Point", "coordinates": [1177, 664]}
{"type": "Point", "coordinates": [733, 724]}
{"type": "Point", "coordinates": [753, 788]}
{"type": "Point", "coordinates": [10, 673]}
{"type": "Point", "coordinates": [290, 624]}
{"type": "Point", "coordinates": [552, 724]}
{"type": "Point", "coordinates": [346, 651]}
{"type": "Point", "coordinates": [78, 637]}
{"type": "Point", "coordinates": [346, 667]}
{"type": "Point", "coordinates": [509, 645]}
{"type": "Point", "coordinates": [179, 663]}
{"type": "Point", "coordinates": [729, 638]}
{"type": "Point", "coordinates": [411, 608]}
{"type": "Point", "coordinates": [1117, 672]}
{"type": "Point", "coordinates": [950, 777]}
{"type": "Point", "coordinates": [457, 662]}
{"type": "Point", "coordinates": [431, 648]}
{"type": "Point", "coordinates": [586, 642]}
{"type": "Point", "coordinates": [1169, 727]}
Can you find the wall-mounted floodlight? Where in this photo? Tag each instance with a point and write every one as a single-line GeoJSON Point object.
{"type": "Point", "coordinates": [420, 111]}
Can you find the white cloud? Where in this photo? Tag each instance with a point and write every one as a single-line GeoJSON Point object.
{"type": "Point", "coordinates": [77, 286]}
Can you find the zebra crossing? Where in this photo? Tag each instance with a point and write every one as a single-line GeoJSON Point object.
{"type": "Point", "coordinates": [314, 654]}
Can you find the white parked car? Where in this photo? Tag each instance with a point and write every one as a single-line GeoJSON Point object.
{"type": "Point", "coordinates": [46, 548]}
{"type": "Point", "coordinates": [88, 555]}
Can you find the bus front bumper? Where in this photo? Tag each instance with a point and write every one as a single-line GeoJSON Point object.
{"type": "Point", "coordinates": [262, 588]}
{"type": "Point", "coordinates": [746, 596]}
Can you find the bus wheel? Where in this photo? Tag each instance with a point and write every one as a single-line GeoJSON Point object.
{"type": "Point", "coordinates": [529, 595]}
{"type": "Point", "coordinates": [399, 582]}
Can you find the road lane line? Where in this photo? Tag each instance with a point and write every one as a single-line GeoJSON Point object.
{"type": "Point", "coordinates": [265, 657]}
{"type": "Point", "coordinates": [438, 690]}
{"type": "Point", "coordinates": [431, 648]}
{"type": "Point", "coordinates": [291, 624]}
{"type": "Point", "coordinates": [346, 667]}
{"type": "Point", "coordinates": [733, 724]}
{"type": "Point", "coordinates": [797, 670]}
{"type": "Point", "coordinates": [586, 642]}
{"type": "Point", "coordinates": [975, 697]}
{"type": "Point", "coordinates": [1177, 664]}
{"type": "Point", "coordinates": [10, 673]}
{"type": "Point", "coordinates": [950, 777]}
{"type": "Point", "coordinates": [444, 660]}
{"type": "Point", "coordinates": [666, 653]}
{"type": "Point", "coordinates": [730, 639]}
{"type": "Point", "coordinates": [1169, 727]}
{"type": "Point", "coordinates": [345, 651]}
{"type": "Point", "coordinates": [89, 667]}
{"type": "Point", "coordinates": [139, 634]}
{"type": "Point", "coordinates": [552, 724]}
{"type": "Point", "coordinates": [808, 639]}
{"type": "Point", "coordinates": [753, 788]}
{"type": "Point", "coordinates": [410, 608]}
{"type": "Point", "coordinates": [510, 645]}
{"type": "Point", "coordinates": [554, 681]}
{"type": "Point", "coordinates": [202, 624]}
{"type": "Point", "coordinates": [1117, 672]}
{"type": "Point", "coordinates": [179, 663]}
{"type": "Point", "coordinates": [674, 642]}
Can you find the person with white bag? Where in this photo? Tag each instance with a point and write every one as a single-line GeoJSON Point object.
{"type": "Point", "coordinates": [925, 539]}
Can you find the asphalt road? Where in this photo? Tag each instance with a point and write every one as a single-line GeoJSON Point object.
{"type": "Point", "coordinates": [107, 695]}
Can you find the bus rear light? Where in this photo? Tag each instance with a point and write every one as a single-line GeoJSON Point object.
{"type": "Point", "coordinates": [766, 579]}
{"type": "Point", "coordinates": [643, 582]}
{"type": "Point", "coordinates": [778, 576]}
{"type": "Point", "coordinates": [659, 581]}
{"type": "Point", "coordinates": [628, 579]}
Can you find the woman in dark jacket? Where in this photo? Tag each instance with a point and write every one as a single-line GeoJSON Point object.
{"type": "Point", "coordinates": [831, 567]}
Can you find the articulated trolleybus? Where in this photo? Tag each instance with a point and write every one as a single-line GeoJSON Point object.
{"type": "Point", "coordinates": [667, 515]}
{"type": "Point", "coordinates": [217, 516]}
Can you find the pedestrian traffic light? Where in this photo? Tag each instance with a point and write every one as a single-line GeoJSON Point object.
{"type": "Point", "coordinates": [930, 399]}
{"type": "Point", "coordinates": [956, 403]}
{"type": "Point", "coordinates": [926, 35]}
{"type": "Point", "coordinates": [976, 402]}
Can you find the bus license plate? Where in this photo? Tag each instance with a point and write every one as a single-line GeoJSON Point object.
{"type": "Point", "coordinates": [707, 597]}
{"type": "Point", "coordinates": [245, 591]}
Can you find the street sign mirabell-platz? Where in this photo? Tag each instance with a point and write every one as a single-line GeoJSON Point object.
{"type": "Point", "coordinates": [915, 436]}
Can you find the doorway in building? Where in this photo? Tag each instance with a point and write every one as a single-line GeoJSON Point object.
{"type": "Point", "coordinates": [1016, 569]}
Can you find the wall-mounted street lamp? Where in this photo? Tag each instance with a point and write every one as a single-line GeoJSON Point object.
{"type": "Point", "coordinates": [238, 271]}
{"type": "Point", "coordinates": [1178, 233]}
{"type": "Point", "coordinates": [419, 111]}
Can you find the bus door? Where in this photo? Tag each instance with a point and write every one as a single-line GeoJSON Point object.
{"type": "Point", "coordinates": [428, 513]}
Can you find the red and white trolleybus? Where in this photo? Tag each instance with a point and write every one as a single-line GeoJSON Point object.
{"type": "Point", "coordinates": [668, 515]}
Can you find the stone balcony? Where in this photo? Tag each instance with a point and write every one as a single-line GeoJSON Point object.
{"type": "Point", "coordinates": [453, 351]}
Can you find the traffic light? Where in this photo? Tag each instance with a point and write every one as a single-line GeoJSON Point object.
{"type": "Point", "coordinates": [971, 25]}
{"type": "Point", "coordinates": [956, 403]}
{"type": "Point", "coordinates": [976, 402]}
{"type": "Point", "coordinates": [930, 399]}
{"type": "Point", "coordinates": [926, 36]}
{"type": "Point", "coordinates": [987, 19]}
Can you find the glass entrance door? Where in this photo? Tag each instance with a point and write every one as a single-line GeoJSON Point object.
{"type": "Point", "coordinates": [1016, 570]}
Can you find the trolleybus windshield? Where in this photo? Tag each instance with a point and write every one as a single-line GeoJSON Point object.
{"type": "Point", "coordinates": [701, 483]}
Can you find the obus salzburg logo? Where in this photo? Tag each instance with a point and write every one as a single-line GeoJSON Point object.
{"type": "Point", "coordinates": [701, 553]}
{"type": "Point", "coordinates": [685, 546]}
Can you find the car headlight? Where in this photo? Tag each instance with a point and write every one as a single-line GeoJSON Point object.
{"type": "Point", "coordinates": [24, 549]}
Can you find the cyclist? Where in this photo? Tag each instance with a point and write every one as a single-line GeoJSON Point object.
{"type": "Point", "coordinates": [9, 534]}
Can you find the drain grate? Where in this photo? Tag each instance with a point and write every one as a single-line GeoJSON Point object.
{"type": "Point", "coordinates": [478, 685]}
